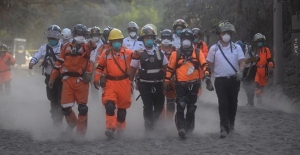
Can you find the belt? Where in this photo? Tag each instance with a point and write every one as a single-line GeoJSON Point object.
{"type": "Point", "coordinates": [5, 70]}
{"type": "Point", "coordinates": [227, 77]}
{"type": "Point", "coordinates": [150, 81]}
{"type": "Point", "coordinates": [116, 78]}
{"type": "Point", "coordinates": [189, 82]}
{"type": "Point", "coordinates": [263, 66]}
{"type": "Point", "coordinates": [72, 74]}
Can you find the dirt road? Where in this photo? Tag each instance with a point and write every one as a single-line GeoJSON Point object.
{"type": "Point", "coordinates": [26, 128]}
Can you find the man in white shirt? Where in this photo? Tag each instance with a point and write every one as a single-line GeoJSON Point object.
{"type": "Point", "coordinates": [178, 25]}
{"type": "Point", "coordinates": [151, 67]}
{"type": "Point", "coordinates": [229, 62]}
{"type": "Point", "coordinates": [131, 41]}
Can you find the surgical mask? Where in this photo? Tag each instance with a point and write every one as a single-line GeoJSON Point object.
{"type": "Point", "coordinates": [186, 43]}
{"type": "Point", "coordinates": [226, 38]}
{"type": "Point", "coordinates": [196, 40]}
{"type": "Point", "coordinates": [80, 39]}
{"type": "Point", "coordinates": [96, 39]}
{"type": "Point", "coordinates": [166, 42]}
{"type": "Point", "coordinates": [260, 44]}
{"type": "Point", "coordinates": [53, 42]}
{"type": "Point", "coordinates": [178, 32]}
{"type": "Point", "coordinates": [116, 45]}
{"type": "Point", "coordinates": [149, 43]}
{"type": "Point", "coordinates": [132, 34]}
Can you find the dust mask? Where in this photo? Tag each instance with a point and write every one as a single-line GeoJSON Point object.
{"type": "Point", "coordinates": [186, 43]}
{"type": "Point", "coordinates": [132, 34]}
{"type": "Point", "coordinates": [226, 38]}
{"type": "Point", "coordinates": [80, 39]}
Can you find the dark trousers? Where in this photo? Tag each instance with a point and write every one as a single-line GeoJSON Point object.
{"type": "Point", "coordinates": [186, 96]}
{"type": "Point", "coordinates": [249, 84]}
{"type": "Point", "coordinates": [54, 96]}
{"type": "Point", "coordinates": [153, 100]}
{"type": "Point", "coordinates": [227, 90]}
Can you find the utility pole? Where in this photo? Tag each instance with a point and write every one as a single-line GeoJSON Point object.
{"type": "Point", "coordinates": [278, 41]}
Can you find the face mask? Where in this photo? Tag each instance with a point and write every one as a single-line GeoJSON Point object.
{"type": "Point", "coordinates": [260, 44]}
{"type": "Point", "coordinates": [166, 42]}
{"type": "Point", "coordinates": [149, 43]}
{"type": "Point", "coordinates": [116, 45]}
{"type": "Point", "coordinates": [186, 43]}
{"type": "Point", "coordinates": [226, 38]}
{"type": "Point", "coordinates": [53, 42]}
{"type": "Point", "coordinates": [96, 39]}
{"type": "Point", "coordinates": [132, 34]}
{"type": "Point", "coordinates": [178, 32]}
{"type": "Point", "coordinates": [80, 39]}
{"type": "Point", "coordinates": [196, 40]}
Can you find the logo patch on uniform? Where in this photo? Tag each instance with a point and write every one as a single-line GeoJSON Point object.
{"type": "Point", "coordinates": [151, 59]}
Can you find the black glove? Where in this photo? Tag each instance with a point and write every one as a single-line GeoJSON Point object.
{"type": "Point", "coordinates": [209, 85]}
{"type": "Point", "coordinates": [166, 86]}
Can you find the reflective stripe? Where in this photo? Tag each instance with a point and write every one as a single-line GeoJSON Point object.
{"type": "Point", "coordinates": [151, 81]}
{"type": "Point", "coordinates": [153, 70]}
{"type": "Point", "coordinates": [68, 105]}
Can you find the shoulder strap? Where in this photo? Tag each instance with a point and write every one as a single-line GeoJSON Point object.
{"type": "Point", "coordinates": [227, 59]}
{"type": "Point", "coordinates": [124, 72]}
{"type": "Point", "coordinates": [178, 55]}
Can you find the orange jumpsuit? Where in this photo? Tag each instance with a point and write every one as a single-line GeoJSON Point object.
{"type": "Point", "coordinates": [72, 67]}
{"type": "Point", "coordinates": [204, 49]}
{"type": "Point", "coordinates": [117, 91]}
{"type": "Point", "coordinates": [5, 74]}
{"type": "Point", "coordinates": [265, 61]}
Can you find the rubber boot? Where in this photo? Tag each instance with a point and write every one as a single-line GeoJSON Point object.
{"type": "Point", "coordinates": [82, 124]}
{"type": "Point", "coordinates": [111, 125]}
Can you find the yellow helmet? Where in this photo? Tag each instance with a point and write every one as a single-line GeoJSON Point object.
{"type": "Point", "coordinates": [179, 22]}
{"type": "Point", "coordinates": [259, 37]}
{"type": "Point", "coordinates": [115, 34]}
{"type": "Point", "coordinates": [148, 30]}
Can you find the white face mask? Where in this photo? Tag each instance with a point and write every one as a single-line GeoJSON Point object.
{"type": "Point", "coordinates": [226, 38]}
{"type": "Point", "coordinates": [132, 34]}
{"type": "Point", "coordinates": [166, 42]}
{"type": "Point", "coordinates": [186, 43]}
{"type": "Point", "coordinates": [96, 39]}
{"type": "Point", "coordinates": [80, 39]}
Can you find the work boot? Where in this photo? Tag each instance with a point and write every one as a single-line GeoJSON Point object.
{"type": "Point", "coordinates": [249, 104]}
{"type": "Point", "coordinates": [109, 133]}
{"type": "Point", "coordinates": [181, 133]}
{"type": "Point", "coordinates": [224, 132]}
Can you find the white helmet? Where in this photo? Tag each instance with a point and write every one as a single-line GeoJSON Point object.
{"type": "Point", "coordinates": [132, 24]}
{"type": "Point", "coordinates": [259, 37]}
{"type": "Point", "coordinates": [66, 33]}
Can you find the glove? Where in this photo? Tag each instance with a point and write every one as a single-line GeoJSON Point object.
{"type": "Point", "coordinates": [31, 65]}
{"type": "Point", "coordinates": [97, 84]}
{"type": "Point", "coordinates": [50, 84]}
{"type": "Point", "coordinates": [239, 75]}
{"type": "Point", "coordinates": [209, 85]}
{"type": "Point", "coordinates": [166, 86]}
{"type": "Point", "coordinates": [270, 72]}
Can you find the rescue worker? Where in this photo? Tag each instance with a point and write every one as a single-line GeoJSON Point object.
{"type": "Point", "coordinates": [66, 36]}
{"type": "Point", "coordinates": [185, 63]}
{"type": "Point", "coordinates": [229, 63]}
{"type": "Point", "coordinates": [198, 43]}
{"type": "Point", "coordinates": [50, 53]}
{"type": "Point", "coordinates": [167, 48]}
{"type": "Point", "coordinates": [112, 72]}
{"type": "Point", "coordinates": [106, 45]}
{"type": "Point", "coordinates": [265, 65]}
{"type": "Point", "coordinates": [131, 41]}
{"type": "Point", "coordinates": [6, 60]}
{"type": "Point", "coordinates": [249, 71]}
{"type": "Point", "coordinates": [151, 69]}
{"type": "Point", "coordinates": [73, 64]}
{"type": "Point", "coordinates": [95, 33]}
{"type": "Point", "coordinates": [178, 25]}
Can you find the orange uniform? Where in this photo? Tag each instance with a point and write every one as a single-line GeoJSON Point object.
{"type": "Point", "coordinates": [100, 50]}
{"type": "Point", "coordinates": [265, 61]}
{"type": "Point", "coordinates": [117, 92]}
{"type": "Point", "coordinates": [5, 73]}
{"type": "Point", "coordinates": [72, 66]}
